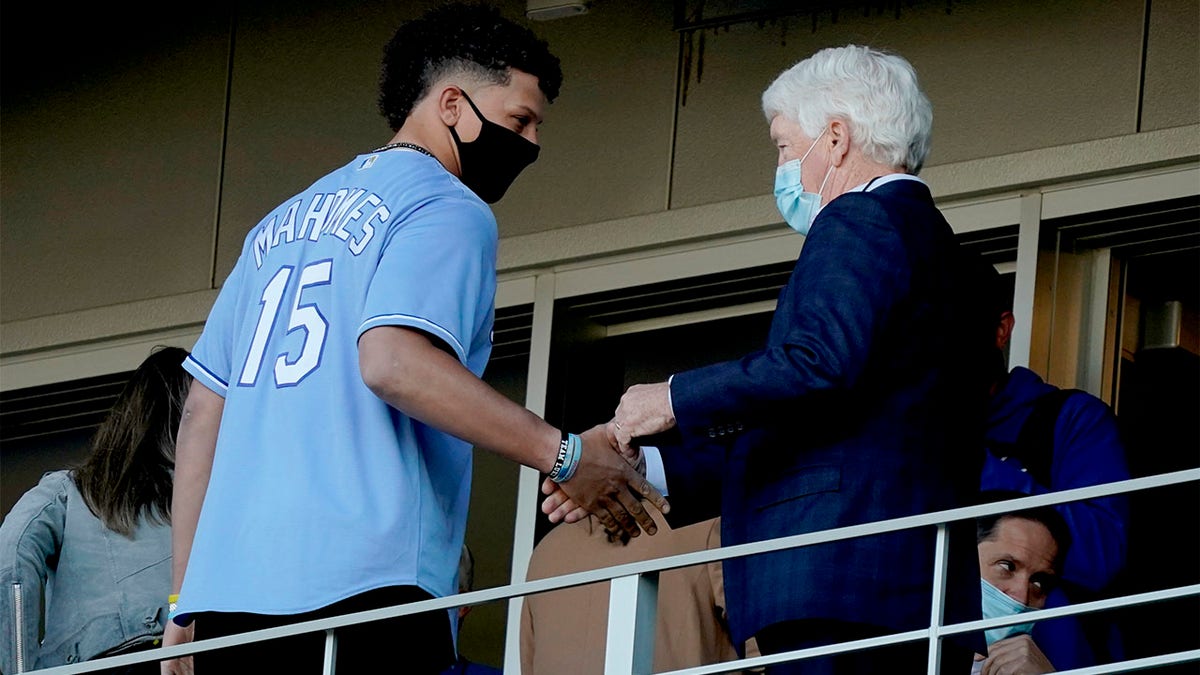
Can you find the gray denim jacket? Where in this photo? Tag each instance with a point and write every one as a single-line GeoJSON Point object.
{"type": "Point", "coordinates": [104, 592]}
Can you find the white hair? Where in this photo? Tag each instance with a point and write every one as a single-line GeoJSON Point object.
{"type": "Point", "coordinates": [876, 93]}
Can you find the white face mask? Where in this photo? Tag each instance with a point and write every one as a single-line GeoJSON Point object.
{"type": "Point", "coordinates": [996, 604]}
{"type": "Point", "coordinates": [798, 208]}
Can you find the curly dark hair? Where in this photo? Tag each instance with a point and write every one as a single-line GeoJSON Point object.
{"type": "Point", "coordinates": [459, 37]}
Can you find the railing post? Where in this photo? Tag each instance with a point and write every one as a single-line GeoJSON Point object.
{"type": "Point", "coordinates": [537, 377]}
{"type": "Point", "coordinates": [938, 603]}
{"type": "Point", "coordinates": [632, 608]}
{"type": "Point", "coordinates": [632, 622]}
{"type": "Point", "coordinates": [330, 665]}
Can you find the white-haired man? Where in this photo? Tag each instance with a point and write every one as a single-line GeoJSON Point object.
{"type": "Point", "coordinates": [866, 402]}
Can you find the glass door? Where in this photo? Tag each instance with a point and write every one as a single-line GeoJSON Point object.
{"type": "Point", "coordinates": [1117, 313]}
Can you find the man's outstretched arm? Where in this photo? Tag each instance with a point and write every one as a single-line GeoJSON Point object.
{"type": "Point", "coordinates": [413, 374]}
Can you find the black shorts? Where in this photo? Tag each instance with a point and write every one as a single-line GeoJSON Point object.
{"type": "Point", "coordinates": [416, 643]}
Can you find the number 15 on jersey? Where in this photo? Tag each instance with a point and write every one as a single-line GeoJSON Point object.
{"type": "Point", "coordinates": [301, 316]}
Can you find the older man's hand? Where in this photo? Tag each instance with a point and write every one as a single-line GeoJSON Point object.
{"type": "Point", "coordinates": [631, 453]}
{"type": "Point", "coordinates": [644, 410]}
{"type": "Point", "coordinates": [1017, 655]}
{"type": "Point", "coordinates": [607, 486]}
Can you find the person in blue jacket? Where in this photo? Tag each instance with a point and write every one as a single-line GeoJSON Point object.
{"type": "Point", "coordinates": [1040, 439]}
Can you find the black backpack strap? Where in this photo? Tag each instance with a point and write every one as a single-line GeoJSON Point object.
{"type": "Point", "coordinates": [1035, 442]}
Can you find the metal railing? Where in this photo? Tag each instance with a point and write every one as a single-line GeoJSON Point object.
{"type": "Point", "coordinates": [633, 596]}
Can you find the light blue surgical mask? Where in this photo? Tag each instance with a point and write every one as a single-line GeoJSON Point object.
{"type": "Point", "coordinates": [798, 208]}
{"type": "Point", "coordinates": [996, 604]}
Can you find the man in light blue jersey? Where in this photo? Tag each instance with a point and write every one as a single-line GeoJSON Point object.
{"type": "Point", "coordinates": [324, 460]}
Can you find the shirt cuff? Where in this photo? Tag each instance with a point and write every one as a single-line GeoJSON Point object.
{"type": "Point", "coordinates": [656, 474]}
{"type": "Point", "coordinates": [670, 404]}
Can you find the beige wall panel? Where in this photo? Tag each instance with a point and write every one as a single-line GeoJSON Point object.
{"type": "Point", "coordinates": [1172, 90]}
{"type": "Point", "coordinates": [110, 162]}
{"type": "Point", "coordinates": [606, 143]}
{"type": "Point", "coordinates": [1003, 77]}
{"type": "Point", "coordinates": [1043, 313]}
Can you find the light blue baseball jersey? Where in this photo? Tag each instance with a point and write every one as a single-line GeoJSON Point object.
{"type": "Point", "coordinates": [320, 490]}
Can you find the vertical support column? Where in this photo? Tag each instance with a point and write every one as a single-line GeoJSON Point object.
{"type": "Point", "coordinates": [1027, 259]}
{"type": "Point", "coordinates": [330, 665]}
{"type": "Point", "coordinates": [632, 609]}
{"type": "Point", "coordinates": [941, 564]}
{"type": "Point", "coordinates": [1095, 323]}
{"type": "Point", "coordinates": [528, 483]}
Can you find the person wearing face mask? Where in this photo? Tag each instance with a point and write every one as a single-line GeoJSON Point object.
{"type": "Point", "coordinates": [1040, 439]}
{"type": "Point", "coordinates": [866, 401]}
{"type": "Point", "coordinates": [1021, 556]}
{"type": "Point", "coordinates": [324, 458]}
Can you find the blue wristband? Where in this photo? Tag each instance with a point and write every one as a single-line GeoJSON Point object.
{"type": "Point", "coordinates": [570, 450]}
{"type": "Point", "coordinates": [575, 453]}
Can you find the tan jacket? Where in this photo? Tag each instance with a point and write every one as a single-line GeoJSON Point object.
{"type": "Point", "coordinates": [564, 631]}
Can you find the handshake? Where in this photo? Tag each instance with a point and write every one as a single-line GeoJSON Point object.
{"type": "Point", "coordinates": [610, 480]}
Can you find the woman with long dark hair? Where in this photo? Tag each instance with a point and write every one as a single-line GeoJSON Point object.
{"type": "Point", "coordinates": [87, 552]}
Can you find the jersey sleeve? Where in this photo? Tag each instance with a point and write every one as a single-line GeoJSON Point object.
{"type": "Point", "coordinates": [437, 274]}
{"type": "Point", "coordinates": [211, 359]}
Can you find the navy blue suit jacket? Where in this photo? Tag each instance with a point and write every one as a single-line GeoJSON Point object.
{"type": "Point", "coordinates": [866, 403]}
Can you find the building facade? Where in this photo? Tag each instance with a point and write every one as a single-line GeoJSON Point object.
{"type": "Point", "coordinates": [136, 154]}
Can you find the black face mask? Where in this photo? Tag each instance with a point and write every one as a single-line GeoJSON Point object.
{"type": "Point", "coordinates": [491, 162]}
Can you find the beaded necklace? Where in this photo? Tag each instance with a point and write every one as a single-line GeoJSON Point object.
{"type": "Point", "coordinates": [402, 144]}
